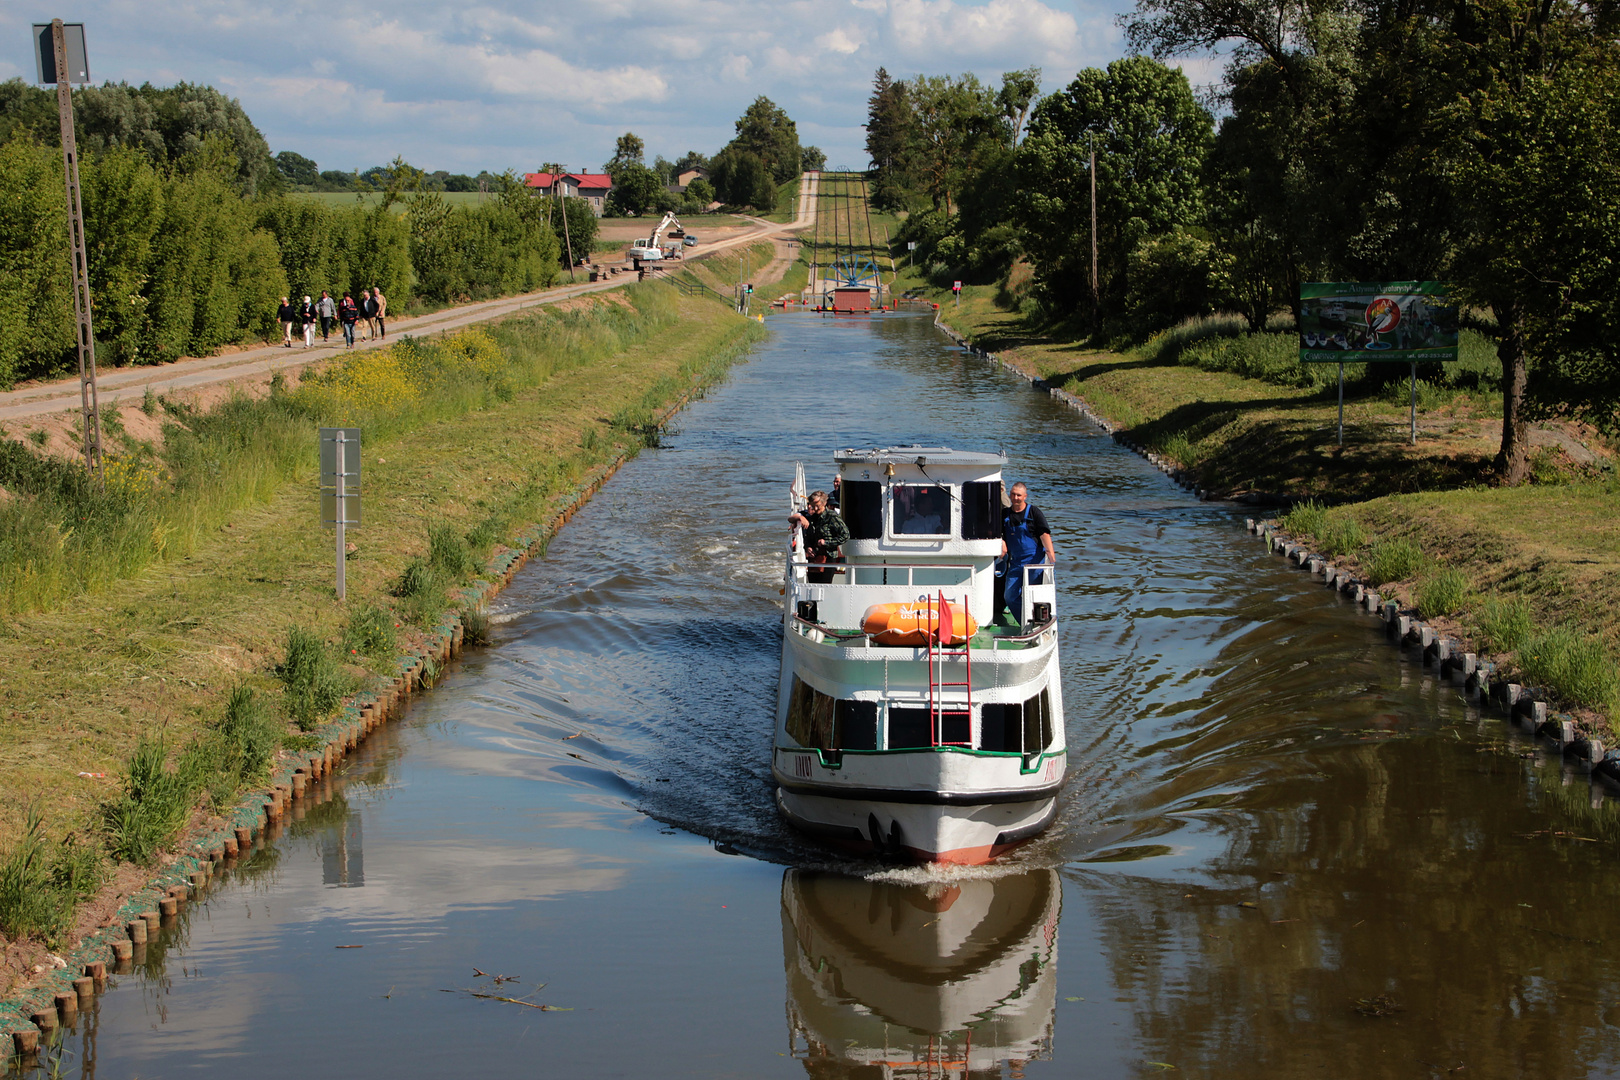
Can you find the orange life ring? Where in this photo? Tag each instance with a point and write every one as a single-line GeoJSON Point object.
{"type": "Point", "coordinates": [918, 622]}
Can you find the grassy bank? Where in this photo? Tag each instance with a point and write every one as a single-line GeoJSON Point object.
{"type": "Point", "coordinates": [1530, 575]}
{"type": "Point", "coordinates": [230, 630]}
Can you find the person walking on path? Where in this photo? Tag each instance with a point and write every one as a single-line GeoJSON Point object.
{"type": "Point", "coordinates": [286, 316]}
{"type": "Point", "coordinates": [327, 310]}
{"type": "Point", "coordinates": [306, 316]}
{"type": "Point", "coordinates": [368, 310]}
{"type": "Point", "coordinates": [1025, 538]}
{"type": "Point", "coordinates": [348, 313]}
{"type": "Point", "coordinates": [382, 311]}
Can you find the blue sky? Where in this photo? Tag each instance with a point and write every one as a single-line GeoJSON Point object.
{"type": "Point", "coordinates": [506, 84]}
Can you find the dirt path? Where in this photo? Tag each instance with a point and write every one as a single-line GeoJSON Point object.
{"type": "Point", "coordinates": [255, 365]}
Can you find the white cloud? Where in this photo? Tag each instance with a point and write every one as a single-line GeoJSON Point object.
{"type": "Point", "coordinates": [501, 83]}
{"type": "Point", "coordinates": [839, 41]}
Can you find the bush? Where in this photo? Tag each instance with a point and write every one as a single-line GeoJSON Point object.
{"type": "Point", "coordinates": [1577, 667]}
{"type": "Point", "coordinates": [1393, 560]}
{"type": "Point", "coordinates": [422, 590]}
{"type": "Point", "coordinates": [312, 680]}
{"type": "Point", "coordinates": [1505, 625]}
{"type": "Point", "coordinates": [1442, 593]}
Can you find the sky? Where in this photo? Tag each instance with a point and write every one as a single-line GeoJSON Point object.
{"type": "Point", "coordinates": [507, 84]}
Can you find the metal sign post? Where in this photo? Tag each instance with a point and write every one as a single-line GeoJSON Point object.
{"type": "Point", "coordinates": [1341, 402]}
{"type": "Point", "coordinates": [59, 57]}
{"type": "Point", "coordinates": [956, 288]}
{"type": "Point", "coordinates": [340, 489]}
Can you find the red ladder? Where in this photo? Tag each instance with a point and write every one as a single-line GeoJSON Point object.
{"type": "Point", "coordinates": [940, 637]}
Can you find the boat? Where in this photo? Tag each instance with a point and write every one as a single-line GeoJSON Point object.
{"type": "Point", "coordinates": [936, 981]}
{"type": "Point", "coordinates": [947, 750]}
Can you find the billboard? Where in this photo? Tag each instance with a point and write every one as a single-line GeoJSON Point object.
{"type": "Point", "coordinates": [1359, 322]}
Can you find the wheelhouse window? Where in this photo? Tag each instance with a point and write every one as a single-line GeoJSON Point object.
{"type": "Point", "coordinates": [981, 510]}
{"type": "Point", "coordinates": [861, 504]}
{"type": "Point", "coordinates": [920, 510]}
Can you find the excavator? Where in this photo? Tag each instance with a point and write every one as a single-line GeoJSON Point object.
{"type": "Point", "coordinates": [651, 249]}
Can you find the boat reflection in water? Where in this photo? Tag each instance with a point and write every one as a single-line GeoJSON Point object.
{"type": "Point", "coordinates": [936, 980]}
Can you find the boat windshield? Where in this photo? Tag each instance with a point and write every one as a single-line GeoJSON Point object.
{"type": "Point", "coordinates": [921, 510]}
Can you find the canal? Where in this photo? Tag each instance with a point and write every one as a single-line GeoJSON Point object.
{"type": "Point", "coordinates": [1281, 851]}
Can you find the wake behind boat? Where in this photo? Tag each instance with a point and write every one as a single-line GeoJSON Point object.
{"type": "Point", "coordinates": [907, 721]}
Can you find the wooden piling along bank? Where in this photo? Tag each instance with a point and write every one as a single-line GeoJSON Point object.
{"type": "Point", "coordinates": [36, 1018]}
{"type": "Point", "coordinates": [1525, 706]}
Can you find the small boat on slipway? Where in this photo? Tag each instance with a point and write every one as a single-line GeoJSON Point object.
{"type": "Point", "coordinates": [907, 723]}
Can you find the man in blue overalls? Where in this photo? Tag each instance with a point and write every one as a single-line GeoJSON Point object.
{"type": "Point", "coordinates": [1024, 539]}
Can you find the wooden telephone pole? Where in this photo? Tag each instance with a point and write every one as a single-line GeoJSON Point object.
{"type": "Point", "coordinates": [64, 76]}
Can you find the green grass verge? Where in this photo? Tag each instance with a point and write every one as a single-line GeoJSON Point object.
{"type": "Point", "coordinates": [486, 446]}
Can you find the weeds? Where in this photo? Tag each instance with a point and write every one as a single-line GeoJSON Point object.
{"type": "Point", "coordinates": [313, 682]}
{"type": "Point", "coordinates": [474, 627]}
{"type": "Point", "coordinates": [249, 734]}
{"type": "Point", "coordinates": [422, 591]}
{"type": "Point", "coordinates": [1442, 593]}
{"type": "Point", "coordinates": [1341, 535]}
{"type": "Point", "coordinates": [1504, 625]}
{"type": "Point", "coordinates": [40, 883]}
{"type": "Point", "coordinates": [1575, 666]}
{"type": "Point", "coordinates": [372, 631]}
{"type": "Point", "coordinates": [450, 554]}
{"type": "Point", "coordinates": [149, 401]}
{"type": "Point", "coordinates": [1305, 517]}
{"type": "Point", "coordinates": [1394, 560]}
{"type": "Point", "coordinates": [156, 803]}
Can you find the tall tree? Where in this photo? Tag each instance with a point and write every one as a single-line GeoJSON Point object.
{"type": "Point", "coordinates": [628, 149]}
{"type": "Point", "coordinates": [889, 138]}
{"type": "Point", "coordinates": [956, 118]}
{"type": "Point", "coordinates": [1151, 139]}
{"type": "Point", "coordinates": [767, 132]}
{"type": "Point", "coordinates": [1018, 90]}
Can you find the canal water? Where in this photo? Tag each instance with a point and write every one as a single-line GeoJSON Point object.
{"type": "Point", "coordinates": [1281, 850]}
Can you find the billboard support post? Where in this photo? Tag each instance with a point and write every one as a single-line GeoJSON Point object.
{"type": "Point", "coordinates": [1414, 403]}
{"type": "Point", "coordinates": [1341, 403]}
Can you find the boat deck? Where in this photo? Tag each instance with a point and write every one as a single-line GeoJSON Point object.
{"type": "Point", "coordinates": [999, 638]}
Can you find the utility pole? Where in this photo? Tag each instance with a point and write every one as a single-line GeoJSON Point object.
{"type": "Point", "coordinates": [64, 76]}
{"type": "Point", "coordinates": [1095, 292]}
{"type": "Point", "coordinates": [562, 206]}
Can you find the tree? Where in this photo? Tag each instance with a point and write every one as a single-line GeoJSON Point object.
{"type": "Point", "coordinates": [765, 131]}
{"type": "Point", "coordinates": [297, 169]}
{"type": "Point", "coordinates": [634, 188]}
{"type": "Point", "coordinates": [955, 120]}
{"type": "Point", "coordinates": [1151, 139]}
{"type": "Point", "coordinates": [812, 159]}
{"type": "Point", "coordinates": [890, 135]}
{"type": "Point", "coordinates": [1018, 90]}
{"type": "Point", "coordinates": [1535, 144]}
{"type": "Point", "coordinates": [690, 160]}
{"type": "Point", "coordinates": [460, 182]}
{"type": "Point", "coordinates": [628, 149]}
{"type": "Point", "coordinates": [700, 191]}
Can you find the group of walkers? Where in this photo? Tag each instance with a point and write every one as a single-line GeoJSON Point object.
{"type": "Point", "coordinates": [325, 313]}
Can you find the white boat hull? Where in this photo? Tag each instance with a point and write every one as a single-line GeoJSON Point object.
{"type": "Point", "coordinates": [962, 834]}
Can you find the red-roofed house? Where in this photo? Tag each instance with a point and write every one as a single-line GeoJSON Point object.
{"type": "Point", "coordinates": [592, 187]}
